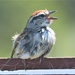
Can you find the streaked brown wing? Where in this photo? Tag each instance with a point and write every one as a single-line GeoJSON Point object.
{"type": "Point", "coordinates": [24, 33]}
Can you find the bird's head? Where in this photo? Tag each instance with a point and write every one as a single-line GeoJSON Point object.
{"type": "Point", "coordinates": [40, 18]}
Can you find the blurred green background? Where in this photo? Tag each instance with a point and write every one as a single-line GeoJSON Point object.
{"type": "Point", "coordinates": [15, 13]}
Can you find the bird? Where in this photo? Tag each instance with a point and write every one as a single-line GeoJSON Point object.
{"type": "Point", "coordinates": [37, 38]}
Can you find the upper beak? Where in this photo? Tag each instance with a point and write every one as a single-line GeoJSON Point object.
{"type": "Point", "coordinates": [54, 18]}
{"type": "Point", "coordinates": [52, 11]}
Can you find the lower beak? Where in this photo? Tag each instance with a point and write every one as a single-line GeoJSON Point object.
{"type": "Point", "coordinates": [53, 18]}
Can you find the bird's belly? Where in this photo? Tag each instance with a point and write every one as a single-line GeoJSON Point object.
{"type": "Point", "coordinates": [38, 54]}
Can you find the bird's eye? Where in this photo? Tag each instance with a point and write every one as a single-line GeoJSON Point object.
{"type": "Point", "coordinates": [42, 15]}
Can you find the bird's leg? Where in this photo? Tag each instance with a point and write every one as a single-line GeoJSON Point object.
{"type": "Point", "coordinates": [24, 63]}
{"type": "Point", "coordinates": [40, 59]}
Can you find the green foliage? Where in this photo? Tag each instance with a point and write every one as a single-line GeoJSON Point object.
{"type": "Point", "coordinates": [15, 13]}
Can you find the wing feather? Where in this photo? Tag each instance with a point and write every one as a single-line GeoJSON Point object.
{"type": "Point", "coordinates": [24, 33]}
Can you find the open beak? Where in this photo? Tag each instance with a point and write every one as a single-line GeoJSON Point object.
{"type": "Point", "coordinates": [53, 18]}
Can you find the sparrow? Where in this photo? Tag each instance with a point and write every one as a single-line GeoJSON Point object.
{"type": "Point", "coordinates": [37, 38]}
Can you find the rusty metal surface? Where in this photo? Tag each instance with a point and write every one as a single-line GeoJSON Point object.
{"type": "Point", "coordinates": [43, 63]}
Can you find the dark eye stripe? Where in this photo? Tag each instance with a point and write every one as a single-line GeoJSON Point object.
{"type": "Point", "coordinates": [42, 15]}
{"type": "Point", "coordinates": [38, 16]}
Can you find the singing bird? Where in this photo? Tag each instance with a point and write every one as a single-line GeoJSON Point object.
{"type": "Point", "coordinates": [37, 38]}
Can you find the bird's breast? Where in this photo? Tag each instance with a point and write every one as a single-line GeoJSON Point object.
{"type": "Point", "coordinates": [47, 35]}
